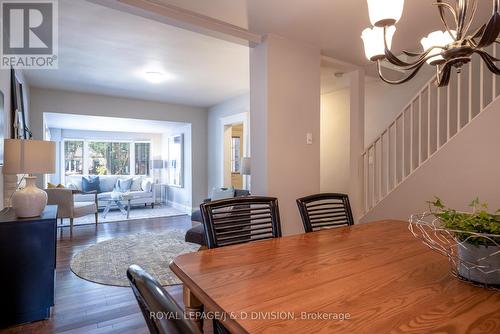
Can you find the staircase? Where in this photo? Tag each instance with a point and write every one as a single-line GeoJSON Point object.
{"type": "Point", "coordinates": [433, 118]}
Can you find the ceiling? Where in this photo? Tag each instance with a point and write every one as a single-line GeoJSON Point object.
{"type": "Point", "coordinates": [333, 25]}
{"type": "Point", "coordinates": [106, 51]}
{"type": "Point", "coordinates": [101, 123]}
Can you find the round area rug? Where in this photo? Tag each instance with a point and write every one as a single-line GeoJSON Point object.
{"type": "Point", "coordinates": [107, 262]}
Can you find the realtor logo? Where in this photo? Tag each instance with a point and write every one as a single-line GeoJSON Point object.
{"type": "Point", "coordinates": [29, 34]}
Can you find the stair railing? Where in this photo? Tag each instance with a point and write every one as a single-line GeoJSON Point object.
{"type": "Point", "coordinates": [432, 118]}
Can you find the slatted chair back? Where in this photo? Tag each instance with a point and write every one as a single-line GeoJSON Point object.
{"type": "Point", "coordinates": [239, 220]}
{"type": "Point", "coordinates": [327, 210]}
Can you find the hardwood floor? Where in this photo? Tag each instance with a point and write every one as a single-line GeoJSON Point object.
{"type": "Point", "coordinates": [85, 307]}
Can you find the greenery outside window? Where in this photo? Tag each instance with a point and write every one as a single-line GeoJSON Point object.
{"type": "Point", "coordinates": [142, 158]}
{"type": "Point", "coordinates": [109, 158]}
{"type": "Point", "coordinates": [106, 157]}
{"type": "Point", "coordinates": [73, 157]}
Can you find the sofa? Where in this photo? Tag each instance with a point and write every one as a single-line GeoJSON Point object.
{"type": "Point", "coordinates": [142, 190]}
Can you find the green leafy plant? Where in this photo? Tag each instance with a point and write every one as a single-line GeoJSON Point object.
{"type": "Point", "coordinates": [479, 220]}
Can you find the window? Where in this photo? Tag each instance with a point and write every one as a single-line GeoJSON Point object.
{"type": "Point", "coordinates": [235, 154]}
{"type": "Point", "coordinates": [73, 157]}
{"type": "Point", "coordinates": [175, 161]}
{"type": "Point", "coordinates": [108, 158]}
{"type": "Point", "coordinates": [142, 158]}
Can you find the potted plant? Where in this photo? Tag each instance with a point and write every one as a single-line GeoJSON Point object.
{"type": "Point", "coordinates": [477, 234]}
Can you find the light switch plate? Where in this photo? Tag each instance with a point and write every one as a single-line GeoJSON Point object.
{"type": "Point", "coordinates": [309, 138]}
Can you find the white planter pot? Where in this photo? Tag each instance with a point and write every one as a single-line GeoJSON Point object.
{"type": "Point", "coordinates": [476, 263]}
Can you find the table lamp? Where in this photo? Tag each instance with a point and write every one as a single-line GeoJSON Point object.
{"type": "Point", "coordinates": [29, 157]}
{"type": "Point", "coordinates": [246, 171]}
{"type": "Point", "coordinates": [245, 166]}
{"type": "Point", "coordinates": [158, 165]}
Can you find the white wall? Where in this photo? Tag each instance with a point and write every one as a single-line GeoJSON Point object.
{"type": "Point", "coordinates": [285, 107]}
{"type": "Point", "coordinates": [56, 101]}
{"type": "Point", "coordinates": [230, 107]}
{"type": "Point", "coordinates": [5, 88]}
{"type": "Point", "coordinates": [383, 102]}
{"type": "Point", "coordinates": [465, 168]}
{"type": "Point", "coordinates": [5, 84]}
{"type": "Point", "coordinates": [334, 159]}
{"type": "Point", "coordinates": [181, 197]}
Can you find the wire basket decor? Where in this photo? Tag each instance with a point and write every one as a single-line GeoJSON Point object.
{"type": "Point", "coordinates": [473, 257]}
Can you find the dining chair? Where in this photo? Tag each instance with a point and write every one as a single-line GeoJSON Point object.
{"type": "Point", "coordinates": [162, 314]}
{"type": "Point", "coordinates": [240, 220]}
{"type": "Point", "coordinates": [326, 210]}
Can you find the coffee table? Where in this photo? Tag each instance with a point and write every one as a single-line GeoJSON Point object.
{"type": "Point", "coordinates": [117, 199]}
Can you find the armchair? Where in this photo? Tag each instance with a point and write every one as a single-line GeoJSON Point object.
{"type": "Point", "coordinates": [67, 207]}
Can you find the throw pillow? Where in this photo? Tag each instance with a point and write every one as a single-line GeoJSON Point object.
{"type": "Point", "coordinates": [146, 185]}
{"type": "Point", "coordinates": [136, 184]}
{"type": "Point", "coordinates": [123, 185]}
{"type": "Point", "coordinates": [76, 181]}
{"type": "Point", "coordinates": [50, 185]}
{"type": "Point", "coordinates": [107, 183]}
{"type": "Point", "coordinates": [90, 183]}
{"type": "Point", "coordinates": [72, 186]}
{"type": "Point", "coordinates": [222, 193]}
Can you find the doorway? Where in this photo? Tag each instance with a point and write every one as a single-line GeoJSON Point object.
{"type": "Point", "coordinates": [233, 152]}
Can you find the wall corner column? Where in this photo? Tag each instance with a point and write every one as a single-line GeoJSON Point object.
{"type": "Point", "coordinates": [357, 141]}
{"type": "Point", "coordinates": [284, 110]}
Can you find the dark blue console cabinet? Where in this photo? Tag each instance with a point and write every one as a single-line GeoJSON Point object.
{"type": "Point", "coordinates": [27, 266]}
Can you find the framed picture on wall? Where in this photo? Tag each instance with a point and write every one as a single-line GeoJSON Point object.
{"type": "Point", "coordinates": [175, 169]}
{"type": "Point", "coordinates": [19, 128]}
{"type": "Point", "coordinates": [2, 117]}
{"type": "Point", "coordinates": [14, 104]}
{"type": "Point", "coordinates": [22, 128]}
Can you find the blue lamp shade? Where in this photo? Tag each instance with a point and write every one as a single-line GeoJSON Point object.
{"type": "Point", "coordinates": [158, 164]}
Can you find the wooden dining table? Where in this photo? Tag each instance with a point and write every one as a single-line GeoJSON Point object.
{"type": "Point", "coordinates": [369, 278]}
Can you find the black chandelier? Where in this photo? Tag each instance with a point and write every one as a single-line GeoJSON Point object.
{"type": "Point", "coordinates": [446, 50]}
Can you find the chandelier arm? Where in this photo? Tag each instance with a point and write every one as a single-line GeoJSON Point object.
{"type": "Point", "coordinates": [419, 62]}
{"type": "Point", "coordinates": [491, 31]}
{"type": "Point", "coordinates": [389, 55]}
{"type": "Point", "coordinates": [397, 82]}
{"type": "Point", "coordinates": [462, 15]}
{"type": "Point", "coordinates": [423, 57]}
{"type": "Point", "coordinates": [479, 32]}
{"type": "Point", "coordinates": [393, 59]}
{"type": "Point", "coordinates": [471, 19]}
{"type": "Point", "coordinates": [412, 54]}
{"type": "Point", "coordinates": [443, 75]}
{"type": "Point", "coordinates": [441, 5]}
{"type": "Point", "coordinates": [489, 61]}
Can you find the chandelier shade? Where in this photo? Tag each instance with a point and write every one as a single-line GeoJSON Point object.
{"type": "Point", "coordinates": [448, 49]}
{"type": "Point", "coordinates": [385, 12]}
{"type": "Point", "coordinates": [373, 39]}
{"type": "Point", "coordinates": [437, 38]}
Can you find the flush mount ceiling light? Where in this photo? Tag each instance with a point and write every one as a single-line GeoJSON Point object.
{"type": "Point", "coordinates": [155, 77]}
{"type": "Point", "coordinates": [448, 49]}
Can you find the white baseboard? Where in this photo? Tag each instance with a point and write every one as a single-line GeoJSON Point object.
{"type": "Point", "coordinates": [183, 208]}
